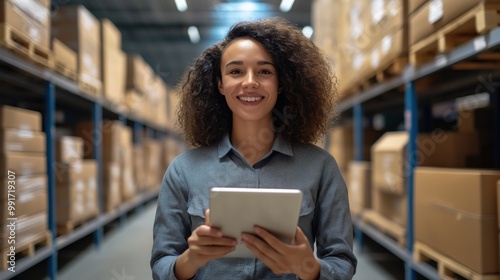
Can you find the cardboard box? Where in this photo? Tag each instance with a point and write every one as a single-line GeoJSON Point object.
{"type": "Point", "coordinates": [391, 206]}
{"type": "Point", "coordinates": [414, 5]}
{"type": "Point", "coordinates": [76, 27]}
{"type": "Point", "coordinates": [26, 201]}
{"type": "Point", "coordinates": [15, 140]}
{"type": "Point", "coordinates": [111, 37]}
{"type": "Point", "coordinates": [27, 228]}
{"type": "Point", "coordinates": [127, 183]}
{"type": "Point", "coordinates": [69, 149]}
{"type": "Point", "coordinates": [437, 13]}
{"type": "Point", "coordinates": [139, 167]}
{"type": "Point", "coordinates": [110, 133]}
{"type": "Point", "coordinates": [18, 118]}
{"type": "Point", "coordinates": [456, 214]}
{"type": "Point", "coordinates": [22, 184]}
{"type": "Point", "coordinates": [76, 191]}
{"type": "Point", "coordinates": [23, 164]}
{"type": "Point", "coordinates": [64, 56]}
{"type": "Point", "coordinates": [139, 74]}
{"type": "Point", "coordinates": [114, 72]}
{"type": "Point", "coordinates": [153, 162]}
{"type": "Point", "coordinates": [359, 186]}
{"type": "Point", "coordinates": [389, 164]}
{"type": "Point", "coordinates": [111, 194]}
{"type": "Point", "coordinates": [30, 18]}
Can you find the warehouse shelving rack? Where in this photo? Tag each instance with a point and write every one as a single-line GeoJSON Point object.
{"type": "Point", "coordinates": [355, 106]}
{"type": "Point", "coordinates": [42, 83]}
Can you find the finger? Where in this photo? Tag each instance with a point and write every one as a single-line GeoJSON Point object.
{"type": "Point", "coordinates": [264, 257]}
{"type": "Point", "coordinates": [213, 251]}
{"type": "Point", "coordinates": [300, 237]}
{"type": "Point", "coordinates": [217, 241]}
{"type": "Point", "coordinates": [208, 231]}
{"type": "Point", "coordinates": [207, 217]}
{"type": "Point", "coordinates": [261, 245]}
{"type": "Point", "coordinates": [270, 239]}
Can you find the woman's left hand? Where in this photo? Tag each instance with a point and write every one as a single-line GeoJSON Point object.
{"type": "Point", "coordinates": [282, 258]}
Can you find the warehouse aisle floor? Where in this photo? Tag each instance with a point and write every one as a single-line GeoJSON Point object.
{"type": "Point", "coordinates": [125, 255]}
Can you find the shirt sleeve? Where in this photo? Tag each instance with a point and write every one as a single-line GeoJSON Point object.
{"type": "Point", "coordinates": [172, 225]}
{"type": "Point", "coordinates": [334, 234]}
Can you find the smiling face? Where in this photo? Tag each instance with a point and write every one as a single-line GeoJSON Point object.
{"type": "Point", "coordinates": [249, 80]}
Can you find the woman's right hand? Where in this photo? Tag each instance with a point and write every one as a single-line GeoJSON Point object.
{"type": "Point", "coordinates": [205, 244]}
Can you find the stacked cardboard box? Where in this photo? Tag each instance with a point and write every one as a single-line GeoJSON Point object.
{"type": "Point", "coordinates": [114, 63]}
{"type": "Point", "coordinates": [77, 28]}
{"type": "Point", "coordinates": [76, 182]}
{"type": "Point", "coordinates": [23, 158]}
{"type": "Point", "coordinates": [155, 103]}
{"type": "Point", "coordinates": [173, 102]}
{"type": "Point", "coordinates": [371, 39]}
{"type": "Point", "coordinates": [30, 18]}
{"type": "Point", "coordinates": [152, 153]}
{"type": "Point", "coordinates": [139, 166]}
{"type": "Point", "coordinates": [66, 60]}
{"type": "Point", "coordinates": [116, 151]}
{"type": "Point", "coordinates": [359, 187]}
{"type": "Point", "coordinates": [140, 77]}
{"type": "Point", "coordinates": [456, 215]}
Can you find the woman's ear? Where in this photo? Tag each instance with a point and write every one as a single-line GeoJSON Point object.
{"type": "Point", "coordinates": [219, 85]}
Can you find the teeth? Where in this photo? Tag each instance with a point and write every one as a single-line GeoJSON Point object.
{"type": "Point", "coordinates": [250, 98]}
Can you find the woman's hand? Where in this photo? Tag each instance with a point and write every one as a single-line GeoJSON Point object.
{"type": "Point", "coordinates": [205, 244]}
{"type": "Point", "coordinates": [282, 258]}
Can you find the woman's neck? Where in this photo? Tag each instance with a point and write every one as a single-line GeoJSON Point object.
{"type": "Point", "coordinates": [253, 139]}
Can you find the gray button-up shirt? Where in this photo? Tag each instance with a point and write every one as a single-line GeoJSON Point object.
{"type": "Point", "coordinates": [324, 215]}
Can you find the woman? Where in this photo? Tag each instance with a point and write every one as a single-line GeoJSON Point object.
{"type": "Point", "coordinates": [253, 104]}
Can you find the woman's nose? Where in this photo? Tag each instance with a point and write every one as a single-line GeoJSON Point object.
{"type": "Point", "coordinates": [250, 81]}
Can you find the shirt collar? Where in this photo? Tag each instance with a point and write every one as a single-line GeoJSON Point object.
{"type": "Point", "coordinates": [280, 145]}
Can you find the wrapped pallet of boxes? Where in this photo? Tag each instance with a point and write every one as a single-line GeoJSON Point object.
{"type": "Point", "coordinates": [114, 63]}
{"type": "Point", "coordinates": [24, 175]}
{"type": "Point", "coordinates": [28, 22]}
{"type": "Point", "coordinates": [77, 28]}
{"type": "Point", "coordinates": [456, 216]}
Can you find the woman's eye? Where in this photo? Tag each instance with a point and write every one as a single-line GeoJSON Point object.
{"type": "Point", "coordinates": [234, 72]}
{"type": "Point", "coordinates": [265, 71]}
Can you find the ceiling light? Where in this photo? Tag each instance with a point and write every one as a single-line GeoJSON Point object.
{"type": "Point", "coordinates": [286, 5]}
{"type": "Point", "coordinates": [182, 5]}
{"type": "Point", "coordinates": [307, 31]}
{"type": "Point", "coordinates": [194, 34]}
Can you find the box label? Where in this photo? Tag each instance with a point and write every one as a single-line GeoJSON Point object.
{"type": "Point", "coordinates": [435, 11]}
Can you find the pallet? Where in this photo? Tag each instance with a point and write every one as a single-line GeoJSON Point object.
{"type": "Point", "coordinates": [479, 20]}
{"type": "Point", "coordinates": [22, 45]}
{"type": "Point", "coordinates": [69, 226]}
{"type": "Point", "coordinates": [27, 248]}
{"type": "Point", "coordinates": [65, 71]}
{"type": "Point", "coordinates": [389, 228]}
{"type": "Point", "coordinates": [447, 268]}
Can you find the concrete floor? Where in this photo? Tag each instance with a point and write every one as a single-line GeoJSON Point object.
{"type": "Point", "coordinates": [126, 250]}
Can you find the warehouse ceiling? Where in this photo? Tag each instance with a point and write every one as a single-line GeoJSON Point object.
{"type": "Point", "coordinates": [158, 31]}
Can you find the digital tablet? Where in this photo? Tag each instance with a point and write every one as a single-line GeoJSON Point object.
{"type": "Point", "coordinates": [238, 210]}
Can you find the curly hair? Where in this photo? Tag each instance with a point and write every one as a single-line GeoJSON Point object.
{"type": "Point", "coordinates": [303, 112]}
